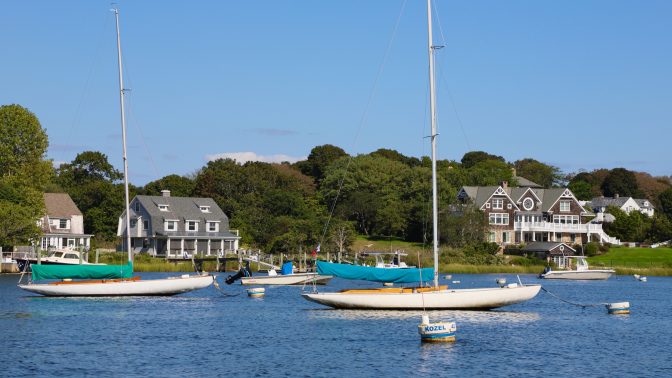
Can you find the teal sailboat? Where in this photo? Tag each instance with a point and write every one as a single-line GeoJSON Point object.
{"type": "Point", "coordinates": [110, 280]}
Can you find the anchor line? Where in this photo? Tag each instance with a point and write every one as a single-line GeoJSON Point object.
{"type": "Point", "coordinates": [216, 285]}
{"type": "Point", "coordinates": [582, 305]}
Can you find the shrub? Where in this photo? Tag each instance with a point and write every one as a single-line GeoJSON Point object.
{"type": "Point", "coordinates": [591, 249]}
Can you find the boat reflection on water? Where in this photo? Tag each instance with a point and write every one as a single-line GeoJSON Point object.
{"type": "Point", "coordinates": [457, 316]}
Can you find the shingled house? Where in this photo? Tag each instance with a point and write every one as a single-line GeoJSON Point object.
{"type": "Point", "coordinates": [177, 227]}
{"type": "Point", "coordinates": [627, 204]}
{"type": "Point", "coordinates": [63, 224]}
{"type": "Point", "coordinates": [526, 214]}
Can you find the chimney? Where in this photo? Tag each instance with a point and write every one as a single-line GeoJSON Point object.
{"type": "Point", "coordinates": [165, 193]}
{"type": "Point", "coordinates": [616, 195]}
{"type": "Point", "coordinates": [505, 184]}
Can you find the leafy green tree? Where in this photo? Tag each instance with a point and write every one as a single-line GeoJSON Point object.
{"type": "Point", "coordinates": [632, 227]}
{"type": "Point", "coordinates": [665, 199]}
{"type": "Point", "coordinates": [94, 185]}
{"type": "Point", "coordinates": [319, 160]}
{"type": "Point", "coordinates": [466, 226]}
{"type": "Point", "coordinates": [489, 173]}
{"type": "Point", "coordinates": [472, 158]}
{"type": "Point", "coordinates": [621, 182]}
{"type": "Point", "coordinates": [396, 156]}
{"type": "Point", "coordinates": [23, 147]}
{"type": "Point", "coordinates": [581, 189]}
{"type": "Point", "coordinates": [661, 229]}
{"type": "Point", "coordinates": [24, 173]}
{"type": "Point", "coordinates": [543, 174]}
{"type": "Point", "coordinates": [179, 186]}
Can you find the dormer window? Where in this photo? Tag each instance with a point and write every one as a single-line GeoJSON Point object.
{"type": "Point", "coordinates": [163, 207]}
{"type": "Point", "coordinates": [192, 225]}
{"type": "Point", "coordinates": [204, 209]}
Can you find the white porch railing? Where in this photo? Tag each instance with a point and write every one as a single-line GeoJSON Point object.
{"type": "Point", "coordinates": [576, 228]}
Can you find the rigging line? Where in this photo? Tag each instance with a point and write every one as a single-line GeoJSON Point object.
{"type": "Point", "coordinates": [442, 78]}
{"type": "Point", "coordinates": [572, 303]}
{"type": "Point", "coordinates": [78, 110]}
{"type": "Point", "coordinates": [137, 126]}
{"type": "Point", "coordinates": [364, 116]}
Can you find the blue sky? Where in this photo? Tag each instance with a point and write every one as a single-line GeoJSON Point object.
{"type": "Point", "coordinates": [575, 84]}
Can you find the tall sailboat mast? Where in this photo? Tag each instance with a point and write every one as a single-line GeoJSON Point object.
{"type": "Point", "coordinates": [123, 138]}
{"type": "Point", "coordinates": [432, 107]}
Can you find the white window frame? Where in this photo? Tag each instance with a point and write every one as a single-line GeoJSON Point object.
{"type": "Point", "coordinates": [500, 219]}
{"type": "Point", "coordinates": [163, 207]}
{"type": "Point", "coordinates": [168, 223]}
{"type": "Point", "coordinates": [134, 222]}
{"type": "Point", "coordinates": [60, 224]}
{"type": "Point", "coordinates": [211, 223]}
{"type": "Point", "coordinates": [528, 201]}
{"type": "Point", "coordinates": [189, 224]}
{"type": "Point", "coordinates": [204, 208]}
{"type": "Point", "coordinates": [145, 224]}
{"type": "Point", "coordinates": [565, 206]}
{"type": "Point", "coordinates": [498, 203]}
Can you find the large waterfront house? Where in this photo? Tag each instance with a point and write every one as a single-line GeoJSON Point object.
{"type": "Point", "coordinates": [627, 204]}
{"type": "Point", "coordinates": [177, 227]}
{"type": "Point", "coordinates": [63, 224]}
{"type": "Point", "coordinates": [524, 214]}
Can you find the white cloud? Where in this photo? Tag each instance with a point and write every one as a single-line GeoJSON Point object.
{"type": "Point", "coordinates": [244, 157]}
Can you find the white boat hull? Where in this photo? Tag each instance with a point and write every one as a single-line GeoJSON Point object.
{"type": "Point", "coordinates": [114, 288]}
{"type": "Point", "coordinates": [462, 299]}
{"type": "Point", "coordinates": [287, 279]}
{"type": "Point", "coordinates": [592, 274]}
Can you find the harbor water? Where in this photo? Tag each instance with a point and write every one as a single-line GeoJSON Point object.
{"type": "Point", "coordinates": [206, 333]}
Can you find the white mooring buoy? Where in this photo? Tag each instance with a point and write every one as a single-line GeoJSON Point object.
{"type": "Point", "coordinates": [256, 292]}
{"type": "Point", "coordinates": [618, 308]}
{"type": "Point", "coordinates": [436, 332]}
{"type": "Point", "coordinates": [448, 277]}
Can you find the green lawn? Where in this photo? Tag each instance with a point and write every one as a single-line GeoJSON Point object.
{"type": "Point", "coordinates": [635, 258]}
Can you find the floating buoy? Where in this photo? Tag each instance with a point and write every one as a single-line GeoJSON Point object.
{"type": "Point", "coordinates": [643, 279]}
{"type": "Point", "coordinates": [456, 282]}
{"type": "Point", "coordinates": [256, 292]}
{"type": "Point", "coordinates": [388, 284]}
{"type": "Point", "coordinates": [436, 332]}
{"type": "Point", "coordinates": [501, 282]}
{"type": "Point", "coordinates": [618, 308]}
{"type": "Point", "coordinates": [448, 277]}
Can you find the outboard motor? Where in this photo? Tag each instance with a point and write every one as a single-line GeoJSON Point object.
{"type": "Point", "coordinates": [243, 272]}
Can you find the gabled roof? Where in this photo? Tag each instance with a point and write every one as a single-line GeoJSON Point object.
{"type": "Point", "coordinates": [60, 205]}
{"type": "Point", "coordinates": [608, 201]}
{"type": "Point", "coordinates": [187, 208]}
{"type": "Point", "coordinates": [525, 183]}
{"type": "Point", "coordinates": [643, 203]}
{"type": "Point", "coordinates": [545, 247]}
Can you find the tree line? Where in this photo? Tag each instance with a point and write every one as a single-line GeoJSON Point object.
{"type": "Point", "coordinates": [329, 198]}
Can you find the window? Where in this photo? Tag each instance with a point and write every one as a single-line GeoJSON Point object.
{"type": "Point", "coordinates": [192, 225]}
{"type": "Point", "coordinates": [528, 204]}
{"type": "Point", "coordinates": [487, 205]}
{"type": "Point", "coordinates": [497, 203]}
{"type": "Point", "coordinates": [134, 222]}
{"type": "Point", "coordinates": [71, 256]}
{"type": "Point", "coordinates": [565, 205]}
{"type": "Point", "coordinates": [505, 237]}
{"type": "Point", "coordinates": [170, 225]}
{"type": "Point", "coordinates": [492, 237]}
{"type": "Point", "coordinates": [63, 223]}
{"type": "Point", "coordinates": [163, 207]}
{"type": "Point", "coordinates": [509, 206]}
{"type": "Point", "coordinates": [145, 224]}
{"type": "Point", "coordinates": [205, 209]}
{"type": "Point", "coordinates": [213, 226]}
{"type": "Point", "coordinates": [136, 206]}
{"type": "Point", "coordinates": [566, 219]}
{"type": "Point", "coordinates": [499, 218]}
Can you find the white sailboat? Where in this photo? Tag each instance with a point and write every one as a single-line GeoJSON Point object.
{"type": "Point", "coordinates": [432, 297]}
{"type": "Point", "coordinates": [111, 280]}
